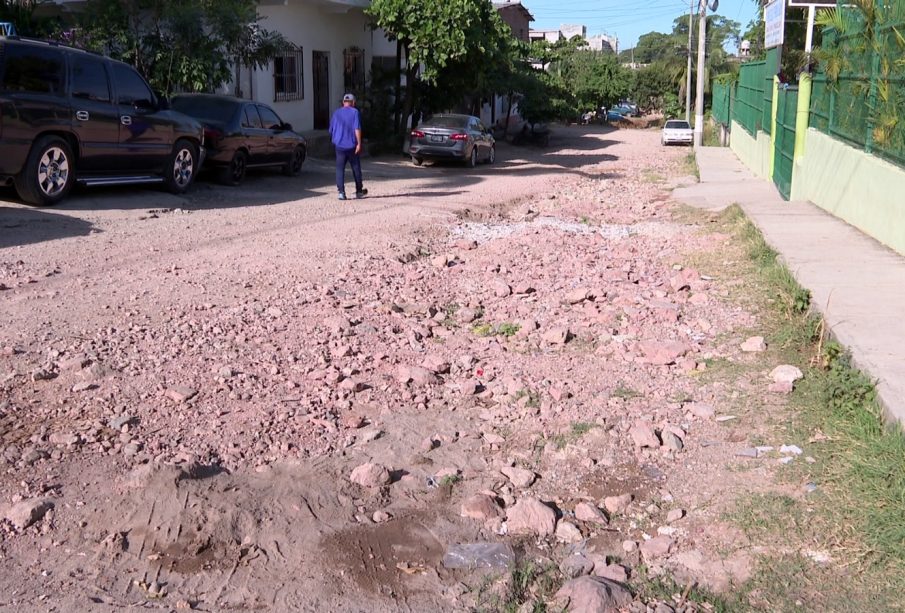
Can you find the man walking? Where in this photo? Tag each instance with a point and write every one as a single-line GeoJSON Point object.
{"type": "Point", "coordinates": [345, 130]}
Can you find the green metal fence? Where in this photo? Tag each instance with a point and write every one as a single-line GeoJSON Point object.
{"type": "Point", "coordinates": [770, 70]}
{"type": "Point", "coordinates": [786, 115]}
{"type": "Point", "coordinates": [862, 99]}
{"type": "Point", "coordinates": [721, 103]}
{"type": "Point", "coordinates": [749, 97]}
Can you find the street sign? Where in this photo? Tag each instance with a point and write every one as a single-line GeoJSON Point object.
{"type": "Point", "coordinates": [821, 4]}
{"type": "Point", "coordinates": [775, 23]}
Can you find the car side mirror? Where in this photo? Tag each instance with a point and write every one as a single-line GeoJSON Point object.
{"type": "Point", "coordinates": [144, 105]}
{"type": "Point", "coordinates": [163, 103]}
{"type": "Point", "coordinates": [286, 126]}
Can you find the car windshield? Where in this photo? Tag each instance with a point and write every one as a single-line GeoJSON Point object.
{"type": "Point", "coordinates": [446, 121]}
{"type": "Point", "coordinates": [219, 110]}
{"type": "Point", "coordinates": [678, 125]}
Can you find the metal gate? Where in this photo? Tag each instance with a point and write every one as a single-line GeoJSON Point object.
{"type": "Point", "coordinates": [786, 113]}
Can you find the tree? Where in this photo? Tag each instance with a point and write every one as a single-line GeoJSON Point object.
{"type": "Point", "coordinates": [178, 45]}
{"type": "Point", "coordinates": [432, 33]}
{"type": "Point", "coordinates": [665, 79]}
{"type": "Point", "coordinates": [653, 47]}
{"type": "Point", "coordinates": [596, 79]}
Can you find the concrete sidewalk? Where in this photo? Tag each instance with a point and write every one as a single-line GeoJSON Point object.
{"type": "Point", "coordinates": [857, 283]}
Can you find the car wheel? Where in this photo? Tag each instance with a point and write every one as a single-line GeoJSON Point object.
{"type": "Point", "coordinates": [181, 167]}
{"type": "Point", "coordinates": [491, 157]}
{"type": "Point", "coordinates": [294, 166]}
{"type": "Point", "coordinates": [417, 161]}
{"type": "Point", "coordinates": [48, 174]}
{"type": "Point", "coordinates": [473, 158]}
{"type": "Point", "coordinates": [234, 174]}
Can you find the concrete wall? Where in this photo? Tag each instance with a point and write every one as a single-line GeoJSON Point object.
{"type": "Point", "coordinates": [313, 28]}
{"type": "Point", "coordinates": [862, 189]}
{"type": "Point", "coordinates": [753, 152]}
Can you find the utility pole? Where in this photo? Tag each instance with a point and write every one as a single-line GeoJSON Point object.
{"type": "Point", "coordinates": [688, 70]}
{"type": "Point", "coordinates": [702, 58]}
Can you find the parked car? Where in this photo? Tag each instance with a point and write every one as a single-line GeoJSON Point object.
{"type": "Point", "coordinates": [68, 115]}
{"type": "Point", "coordinates": [242, 134]}
{"type": "Point", "coordinates": [452, 137]}
{"type": "Point", "coordinates": [628, 109]}
{"type": "Point", "coordinates": [677, 131]}
{"type": "Point", "coordinates": [614, 116]}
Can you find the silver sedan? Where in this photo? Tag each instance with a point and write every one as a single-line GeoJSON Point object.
{"type": "Point", "coordinates": [452, 137]}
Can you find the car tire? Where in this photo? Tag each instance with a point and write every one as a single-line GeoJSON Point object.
{"type": "Point", "coordinates": [48, 174]}
{"type": "Point", "coordinates": [417, 161]}
{"type": "Point", "coordinates": [181, 168]}
{"type": "Point", "coordinates": [473, 158]}
{"type": "Point", "coordinates": [491, 156]}
{"type": "Point", "coordinates": [234, 173]}
{"type": "Point", "coordinates": [296, 160]}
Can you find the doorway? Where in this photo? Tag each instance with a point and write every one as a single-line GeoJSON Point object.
{"type": "Point", "coordinates": [321, 73]}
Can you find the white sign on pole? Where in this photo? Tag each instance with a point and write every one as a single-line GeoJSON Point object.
{"type": "Point", "coordinates": [821, 4]}
{"type": "Point", "coordinates": [775, 23]}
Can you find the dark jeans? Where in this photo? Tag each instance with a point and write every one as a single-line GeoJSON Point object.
{"type": "Point", "coordinates": [343, 157]}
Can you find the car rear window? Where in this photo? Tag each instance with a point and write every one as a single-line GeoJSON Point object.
{"type": "Point", "coordinates": [447, 121]}
{"type": "Point", "coordinates": [678, 125]}
{"type": "Point", "coordinates": [218, 110]}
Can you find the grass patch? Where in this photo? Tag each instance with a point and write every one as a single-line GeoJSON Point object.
{"type": "Point", "coordinates": [506, 329]}
{"type": "Point", "coordinates": [760, 515]}
{"type": "Point", "coordinates": [483, 330]}
{"type": "Point", "coordinates": [450, 480]}
{"type": "Point", "coordinates": [533, 397]}
{"type": "Point", "coordinates": [575, 432]}
{"type": "Point", "coordinates": [528, 588]}
{"type": "Point", "coordinates": [664, 588]}
{"type": "Point", "coordinates": [651, 176]}
{"type": "Point", "coordinates": [690, 165]}
{"type": "Point", "coordinates": [711, 136]}
{"type": "Point", "coordinates": [856, 514]}
{"type": "Point", "coordinates": [625, 393]}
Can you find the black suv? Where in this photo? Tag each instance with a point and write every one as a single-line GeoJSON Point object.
{"type": "Point", "coordinates": [68, 114]}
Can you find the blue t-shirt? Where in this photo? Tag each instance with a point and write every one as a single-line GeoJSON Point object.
{"type": "Point", "coordinates": [343, 124]}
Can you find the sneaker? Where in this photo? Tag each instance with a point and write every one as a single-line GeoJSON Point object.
{"type": "Point", "coordinates": [361, 193]}
{"type": "Point", "coordinates": [342, 196]}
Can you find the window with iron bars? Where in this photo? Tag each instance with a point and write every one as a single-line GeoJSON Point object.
{"type": "Point", "coordinates": [354, 70]}
{"type": "Point", "coordinates": [288, 76]}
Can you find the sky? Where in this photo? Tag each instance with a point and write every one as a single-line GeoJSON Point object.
{"type": "Point", "coordinates": [627, 19]}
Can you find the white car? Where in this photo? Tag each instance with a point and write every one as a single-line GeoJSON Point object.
{"type": "Point", "coordinates": [677, 131]}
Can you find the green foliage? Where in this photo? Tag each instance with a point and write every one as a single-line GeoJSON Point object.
{"type": "Point", "coordinates": [576, 80]}
{"type": "Point", "coordinates": [483, 330]}
{"type": "Point", "coordinates": [508, 329]}
{"type": "Point", "coordinates": [528, 588]}
{"type": "Point", "coordinates": [178, 45]}
{"type": "Point", "coordinates": [450, 480]}
{"type": "Point", "coordinates": [662, 83]}
{"type": "Point", "coordinates": [435, 32]}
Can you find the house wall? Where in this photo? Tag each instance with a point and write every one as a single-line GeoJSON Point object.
{"type": "Point", "coordinates": [517, 20]}
{"type": "Point", "coordinates": [312, 28]}
{"type": "Point", "coordinates": [860, 188]}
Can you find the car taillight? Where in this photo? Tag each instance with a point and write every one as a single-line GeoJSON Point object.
{"type": "Point", "coordinates": [459, 137]}
{"type": "Point", "coordinates": [211, 136]}
{"type": "Point", "coordinates": [417, 134]}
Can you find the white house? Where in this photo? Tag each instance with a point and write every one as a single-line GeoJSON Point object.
{"type": "Point", "coordinates": [331, 53]}
{"type": "Point", "coordinates": [332, 50]}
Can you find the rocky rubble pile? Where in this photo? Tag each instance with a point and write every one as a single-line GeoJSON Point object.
{"type": "Point", "coordinates": [568, 345]}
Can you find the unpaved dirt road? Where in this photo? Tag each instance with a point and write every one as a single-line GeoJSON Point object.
{"type": "Point", "coordinates": [186, 385]}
